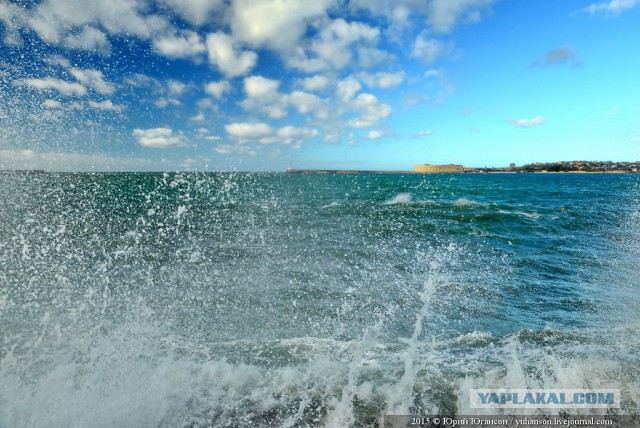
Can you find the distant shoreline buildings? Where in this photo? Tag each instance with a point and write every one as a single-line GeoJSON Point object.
{"type": "Point", "coordinates": [609, 167]}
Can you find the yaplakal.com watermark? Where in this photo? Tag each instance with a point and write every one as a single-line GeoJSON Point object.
{"type": "Point", "coordinates": [544, 398]}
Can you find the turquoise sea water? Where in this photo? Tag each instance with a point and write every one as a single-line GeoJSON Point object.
{"type": "Point", "coordinates": [231, 299]}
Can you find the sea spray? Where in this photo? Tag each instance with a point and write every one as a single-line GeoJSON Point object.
{"type": "Point", "coordinates": [266, 309]}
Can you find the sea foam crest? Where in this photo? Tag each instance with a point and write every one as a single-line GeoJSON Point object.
{"type": "Point", "coordinates": [400, 198]}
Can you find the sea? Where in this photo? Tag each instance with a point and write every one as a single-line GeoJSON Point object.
{"type": "Point", "coordinates": [195, 299]}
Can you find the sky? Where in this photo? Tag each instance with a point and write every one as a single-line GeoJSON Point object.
{"type": "Point", "coordinates": [253, 85]}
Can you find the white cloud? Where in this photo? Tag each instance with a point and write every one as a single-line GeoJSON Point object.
{"type": "Point", "coordinates": [105, 105]}
{"type": "Point", "coordinates": [229, 149]}
{"type": "Point", "coordinates": [58, 60]}
{"type": "Point", "coordinates": [292, 135]}
{"type": "Point", "coordinates": [13, 17]}
{"type": "Point", "coordinates": [65, 88]}
{"type": "Point", "coordinates": [334, 46]}
{"type": "Point", "coordinates": [163, 102]}
{"type": "Point", "coordinates": [51, 104]}
{"type": "Point", "coordinates": [611, 6]}
{"type": "Point", "coordinates": [315, 83]}
{"type": "Point", "coordinates": [558, 56]}
{"type": "Point", "coordinates": [397, 12]}
{"type": "Point", "coordinates": [89, 39]}
{"type": "Point", "coordinates": [444, 15]}
{"type": "Point", "coordinates": [371, 111]}
{"type": "Point", "coordinates": [265, 134]}
{"type": "Point", "coordinates": [217, 89]}
{"type": "Point", "coordinates": [247, 130]}
{"type": "Point", "coordinates": [275, 24]}
{"type": "Point", "coordinates": [425, 133]}
{"type": "Point", "coordinates": [347, 89]}
{"type": "Point", "coordinates": [263, 95]}
{"type": "Point", "coordinates": [195, 11]}
{"type": "Point", "coordinates": [305, 102]}
{"type": "Point", "coordinates": [369, 57]}
{"type": "Point", "coordinates": [93, 79]}
{"type": "Point", "coordinates": [161, 138]}
{"type": "Point", "coordinates": [374, 134]}
{"type": "Point", "coordinates": [428, 50]}
{"type": "Point", "coordinates": [205, 134]}
{"type": "Point", "coordinates": [175, 88]}
{"type": "Point", "coordinates": [186, 44]}
{"type": "Point", "coordinates": [260, 87]}
{"type": "Point", "coordinates": [225, 54]}
{"type": "Point", "coordinates": [54, 20]}
{"type": "Point", "coordinates": [382, 79]}
{"type": "Point", "coordinates": [198, 118]}
{"type": "Point", "coordinates": [526, 123]}
{"type": "Point", "coordinates": [141, 81]}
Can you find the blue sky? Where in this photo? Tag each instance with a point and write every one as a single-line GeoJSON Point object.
{"type": "Point", "coordinates": [362, 84]}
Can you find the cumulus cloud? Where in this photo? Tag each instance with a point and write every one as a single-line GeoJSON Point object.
{"type": "Point", "coordinates": [105, 105]}
{"type": "Point", "coordinates": [558, 56]}
{"type": "Point", "coordinates": [526, 123]}
{"type": "Point", "coordinates": [275, 24]}
{"type": "Point", "coordinates": [47, 83]}
{"type": "Point", "coordinates": [199, 118]}
{"type": "Point", "coordinates": [315, 83]}
{"type": "Point", "coordinates": [89, 39]}
{"type": "Point", "coordinates": [382, 79]}
{"type": "Point", "coordinates": [260, 87]}
{"type": "Point", "coordinates": [186, 44]}
{"type": "Point", "coordinates": [444, 15]}
{"type": "Point", "coordinates": [347, 89]}
{"type": "Point", "coordinates": [205, 134]}
{"type": "Point", "coordinates": [217, 89]}
{"type": "Point", "coordinates": [55, 20]}
{"type": "Point", "coordinates": [51, 104]}
{"type": "Point", "coordinates": [371, 110]}
{"type": "Point", "coordinates": [265, 134]}
{"type": "Point", "coordinates": [334, 46]}
{"type": "Point", "coordinates": [263, 95]}
{"type": "Point", "coordinates": [305, 103]}
{"type": "Point", "coordinates": [246, 130]}
{"type": "Point", "coordinates": [163, 102]}
{"type": "Point", "coordinates": [613, 7]}
{"type": "Point", "coordinates": [428, 50]}
{"type": "Point", "coordinates": [161, 138]}
{"type": "Point", "coordinates": [225, 54]}
{"type": "Point", "coordinates": [292, 135]}
{"type": "Point", "coordinates": [176, 88]}
{"type": "Point", "coordinates": [374, 134]}
{"type": "Point", "coordinates": [230, 149]}
{"type": "Point", "coordinates": [93, 79]}
{"type": "Point", "coordinates": [195, 11]}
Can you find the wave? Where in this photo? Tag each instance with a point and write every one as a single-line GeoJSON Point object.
{"type": "Point", "coordinates": [400, 198]}
{"type": "Point", "coordinates": [332, 204]}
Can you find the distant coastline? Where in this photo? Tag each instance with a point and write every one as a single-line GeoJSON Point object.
{"type": "Point", "coordinates": [572, 167]}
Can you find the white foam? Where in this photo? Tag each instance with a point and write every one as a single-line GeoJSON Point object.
{"type": "Point", "coordinates": [400, 198]}
{"type": "Point", "coordinates": [332, 204]}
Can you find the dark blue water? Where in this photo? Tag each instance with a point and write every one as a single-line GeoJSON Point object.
{"type": "Point", "coordinates": [309, 300]}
